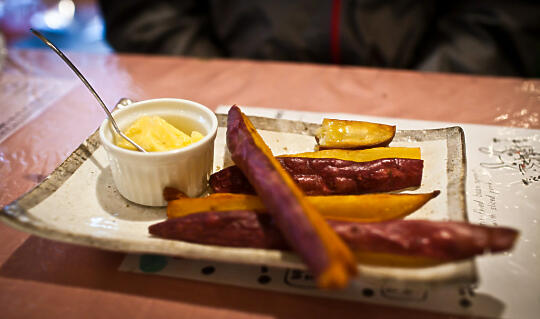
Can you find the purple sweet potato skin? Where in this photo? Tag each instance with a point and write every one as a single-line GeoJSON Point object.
{"type": "Point", "coordinates": [275, 194]}
{"type": "Point", "coordinates": [444, 241]}
{"type": "Point", "coordinates": [438, 240]}
{"type": "Point", "coordinates": [330, 176]}
{"type": "Point", "coordinates": [235, 229]}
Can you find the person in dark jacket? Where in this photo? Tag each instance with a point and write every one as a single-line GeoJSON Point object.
{"type": "Point", "coordinates": [476, 37]}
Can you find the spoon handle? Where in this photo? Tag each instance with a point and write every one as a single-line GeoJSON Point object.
{"type": "Point", "coordinates": [83, 79]}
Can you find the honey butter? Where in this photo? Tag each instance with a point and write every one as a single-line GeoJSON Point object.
{"type": "Point", "coordinates": [154, 134]}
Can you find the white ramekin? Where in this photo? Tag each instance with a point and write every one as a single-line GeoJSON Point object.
{"type": "Point", "coordinates": [141, 177]}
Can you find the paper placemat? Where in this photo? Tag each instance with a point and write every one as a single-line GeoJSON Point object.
{"type": "Point", "coordinates": [503, 188]}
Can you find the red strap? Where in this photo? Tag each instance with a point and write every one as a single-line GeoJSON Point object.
{"type": "Point", "coordinates": [334, 35]}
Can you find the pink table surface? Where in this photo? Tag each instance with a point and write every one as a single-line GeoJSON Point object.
{"type": "Point", "coordinates": [46, 279]}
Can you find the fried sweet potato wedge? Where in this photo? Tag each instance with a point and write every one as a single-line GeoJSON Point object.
{"type": "Point", "coordinates": [353, 134]}
{"type": "Point", "coordinates": [370, 207]}
{"type": "Point", "coordinates": [366, 155]}
{"type": "Point", "coordinates": [357, 208]}
{"type": "Point", "coordinates": [405, 243]}
{"type": "Point", "coordinates": [330, 176]}
{"type": "Point", "coordinates": [303, 227]}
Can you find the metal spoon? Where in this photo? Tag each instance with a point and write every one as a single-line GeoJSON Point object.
{"type": "Point", "coordinates": [68, 62]}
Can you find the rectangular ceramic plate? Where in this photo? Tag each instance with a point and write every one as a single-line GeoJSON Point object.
{"type": "Point", "coordinates": [78, 202]}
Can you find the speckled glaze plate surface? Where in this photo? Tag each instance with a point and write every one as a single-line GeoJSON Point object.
{"type": "Point", "coordinates": [78, 202]}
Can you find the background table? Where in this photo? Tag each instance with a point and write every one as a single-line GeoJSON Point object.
{"type": "Point", "coordinates": [42, 278]}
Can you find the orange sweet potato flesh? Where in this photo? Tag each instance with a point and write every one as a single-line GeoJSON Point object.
{"type": "Point", "coordinates": [324, 253]}
{"type": "Point", "coordinates": [353, 134]}
{"type": "Point", "coordinates": [366, 155]}
{"type": "Point", "coordinates": [356, 208]}
{"type": "Point", "coordinates": [370, 207]}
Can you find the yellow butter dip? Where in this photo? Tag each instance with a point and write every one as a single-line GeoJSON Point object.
{"type": "Point", "coordinates": [154, 134]}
